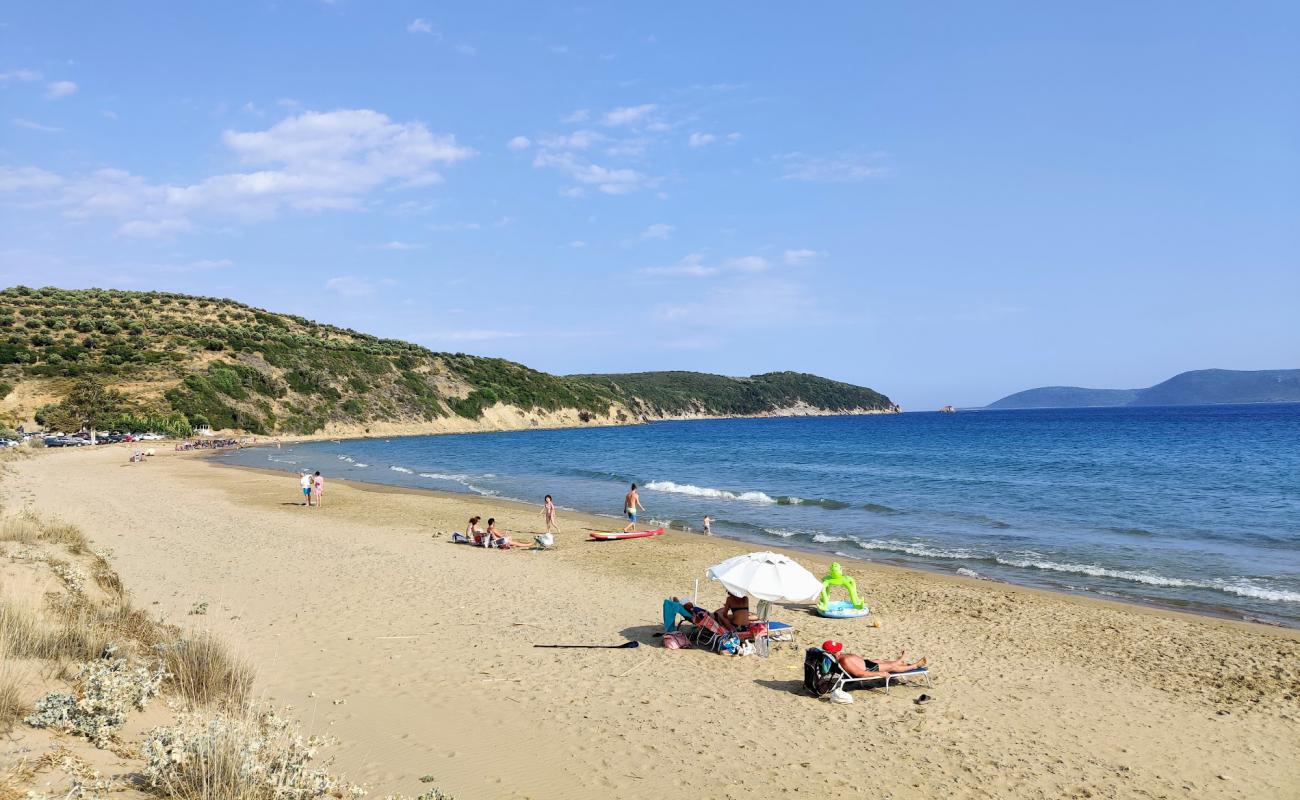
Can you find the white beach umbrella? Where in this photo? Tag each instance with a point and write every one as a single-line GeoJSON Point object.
{"type": "Point", "coordinates": [766, 576]}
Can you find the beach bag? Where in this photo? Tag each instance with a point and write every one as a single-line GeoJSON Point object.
{"type": "Point", "coordinates": [820, 672]}
{"type": "Point", "coordinates": [676, 641]}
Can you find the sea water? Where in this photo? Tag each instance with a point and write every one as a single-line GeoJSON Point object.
{"type": "Point", "coordinates": [1195, 508]}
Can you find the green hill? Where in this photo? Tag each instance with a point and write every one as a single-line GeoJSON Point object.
{"type": "Point", "coordinates": [1198, 387]}
{"type": "Point", "coordinates": [232, 366]}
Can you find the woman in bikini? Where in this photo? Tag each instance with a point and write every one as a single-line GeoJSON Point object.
{"type": "Point", "coordinates": [734, 613]}
{"type": "Point", "coordinates": [548, 515]}
{"type": "Point", "coordinates": [473, 531]}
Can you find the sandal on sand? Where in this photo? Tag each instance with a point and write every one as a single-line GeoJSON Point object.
{"type": "Point", "coordinates": [923, 699]}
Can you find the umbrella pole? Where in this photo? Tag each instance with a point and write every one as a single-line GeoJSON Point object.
{"type": "Point", "coordinates": [695, 598]}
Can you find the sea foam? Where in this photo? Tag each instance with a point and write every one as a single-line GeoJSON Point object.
{"type": "Point", "coordinates": [704, 491]}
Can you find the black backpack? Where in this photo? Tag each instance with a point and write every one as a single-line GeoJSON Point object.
{"type": "Point", "coordinates": [821, 672]}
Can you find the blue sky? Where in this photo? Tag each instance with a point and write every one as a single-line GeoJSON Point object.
{"type": "Point", "coordinates": [947, 206]}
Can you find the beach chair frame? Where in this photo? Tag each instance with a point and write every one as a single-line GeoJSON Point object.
{"type": "Point", "coordinates": [845, 681]}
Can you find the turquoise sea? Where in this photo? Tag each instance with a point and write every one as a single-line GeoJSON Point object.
{"type": "Point", "coordinates": [1195, 507]}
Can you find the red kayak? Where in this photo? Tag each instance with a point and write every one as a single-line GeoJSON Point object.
{"type": "Point", "coordinates": [613, 537]}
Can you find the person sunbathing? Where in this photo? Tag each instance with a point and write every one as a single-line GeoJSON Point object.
{"type": "Point", "coordinates": [498, 538]}
{"type": "Point", "coordinates": [734, 613]}
{"type": "Point", "coordinates": [861, 667]}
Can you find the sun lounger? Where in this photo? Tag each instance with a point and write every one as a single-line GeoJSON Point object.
{"type": "Point", "coordinates": [822, 674]}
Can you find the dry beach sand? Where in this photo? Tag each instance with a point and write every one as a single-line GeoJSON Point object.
{"type": "Point", "coordinates": [417, 654]}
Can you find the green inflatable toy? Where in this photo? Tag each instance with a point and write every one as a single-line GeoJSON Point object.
{"type": "Point", "coordinates": [854, 607]}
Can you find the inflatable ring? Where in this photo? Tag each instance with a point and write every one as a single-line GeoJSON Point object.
{"type": "Point", "coordinates": [842, 609]}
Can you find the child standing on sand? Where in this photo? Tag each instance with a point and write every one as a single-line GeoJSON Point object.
{"type": "Point", "coordinates": [318, 488]}
{"type": "Point", "coordinates": [548, 514]}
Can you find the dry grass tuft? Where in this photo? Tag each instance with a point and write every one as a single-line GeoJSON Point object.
{"type": "Point", "coordinates": [21, 631]}
{"type": "Point", "coordinates": [66, 534]}
{"type": "Point", "coordinates": [12, 707]}
{"type": "Point", "coordinates": [81, 634]}
{"type": "Point", "coordinates": [205, 672]}
{"type": "Point", "coordinates": [19, 529]}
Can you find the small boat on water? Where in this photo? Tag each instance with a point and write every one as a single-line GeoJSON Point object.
{"type": "Point", "coordinates": [947, 410]}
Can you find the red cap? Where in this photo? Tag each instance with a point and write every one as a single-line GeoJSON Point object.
{"type": "Point", "coordinates": [831, 646]}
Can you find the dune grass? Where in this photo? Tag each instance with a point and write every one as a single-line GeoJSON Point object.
{"type": "Point", "coordinates": [206, 673]}
{"type": "Point", "coordinates": [12, 707]}
{"type": "Point", "coordinates": [22, 529]}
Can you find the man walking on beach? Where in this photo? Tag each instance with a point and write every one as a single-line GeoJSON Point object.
{"type": "Point", "coordinates": [631, 502]}
{"type": "Point", "coordinates": [305, 483]}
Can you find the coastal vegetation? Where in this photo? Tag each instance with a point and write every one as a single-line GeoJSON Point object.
{"type": "Point", "coordinates": [170, 362]}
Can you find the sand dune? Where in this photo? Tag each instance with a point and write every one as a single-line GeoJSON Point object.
{"type": "Point", "coordinates": [418, 656]}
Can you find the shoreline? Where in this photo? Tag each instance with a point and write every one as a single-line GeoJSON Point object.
{"type": "Point", "coordinates": [918, 570]}
{"type": "Point", "coordinates": [1193, 608]}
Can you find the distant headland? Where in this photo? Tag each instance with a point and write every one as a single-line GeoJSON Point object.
{"type": "Point", "coordinates": [1195, 388]}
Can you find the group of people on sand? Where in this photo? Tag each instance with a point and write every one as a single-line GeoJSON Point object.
{"type": "Point", "coordinates": [734, 616]}
{"type": "Point", "coordinates": [492, 536]}
{"type": "Point", "coordinates": [313, 488]}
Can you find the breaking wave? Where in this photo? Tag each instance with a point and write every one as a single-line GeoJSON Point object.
{"type": "Point", "coordinates": [402, 470]}
{"type": "Point", "coordinates": [914, 549]}
{"type": "Point", "coordinates": [704, 491]}
{"type": "Point", "coordinates": [1238, 588]}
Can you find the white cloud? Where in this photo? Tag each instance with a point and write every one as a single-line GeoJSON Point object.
{"type": "Point", "coordinates": [627, 114]}
{"type": "Point", "coordinates": [401, 246]}
{"type": "Point", "coordinates": [27, 124]}
{"type": "Point", "coordinates": [701, 139]}
{"type": "Point", "coordinates": [22, 179]}
{"type": "Point", "coordinates": [837, 169]}
{"type": "Point", "coordinates": [577, 244]}
{"type": "Point", "coordinates": [628, 148]}
{"type": "Point", "coordinates": [573, 192]}
{"type": "Point", "coordinates": [799, 258]}
{"type": "Point", "coordinates": [734, 137]}
{"type": "Point", "coordinates": [606, 179]}
{"type": "Point", "coordinates": [152, 229]}
{"type": "Point", "coordinates": [419, 25]}
{"type": "Point", "coordinates": [445, 227]}
{"type": "Point", "coordinates": [348, 286]}
{"type": "Point", "coordinates": [691, 266]}
{"type": "Point", "coordinates": [578, 140]}
{"type": "Point", "coordinates": [694, 266]}
{"type": "Point", "coordinates": [21, 75]}
{"type": "Point", "coordinates": [658, 230]}
{"type": "Point", "coordinates": [756, 302]}
{"type": "Point", "coordinates": [745, 264]}
{"type": "Point", "coordinates": [581, 115]}
{"type": "Point", "coordinates": [59, 89]}
{"type": "Point", "coordinates": [311, 161]}
{"type": "Point", "coordinates": [519, 143]}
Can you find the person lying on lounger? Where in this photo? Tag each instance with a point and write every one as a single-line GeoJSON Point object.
{"type": "Point", "coordinates": [860, 667]}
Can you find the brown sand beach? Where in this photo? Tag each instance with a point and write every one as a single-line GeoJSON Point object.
{"type": "Point", "coordinates": [418, 655]}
